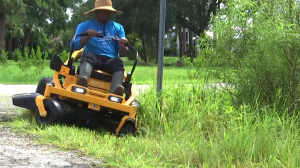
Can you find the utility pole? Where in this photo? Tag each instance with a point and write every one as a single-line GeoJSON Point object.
{"type": "Point", "coordinates": [161, 42]}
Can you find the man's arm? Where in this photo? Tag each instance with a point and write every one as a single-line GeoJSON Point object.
{"type": "Point", "coordinates": [122, 47]}
{"type": "Point", "coordinates": [123, 50]}
{"type": "Point", "coordinates": [80, 41]}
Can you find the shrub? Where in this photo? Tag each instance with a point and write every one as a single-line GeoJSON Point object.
{"type": "Point", "coordinates": [17, 54]}
{"type": "Point", "coordinates": [65, 55]}
{"type": "Point", "coordinates": [24, 63]}
{"type": "Point", "coordinates": [170, 51]}
{"type": "Point", "coordinates": [33, 57]}
{"type": "Point", "coordinates": [39, 61]}
{"type": "Point", "coordinates": [131, 54]}
{"type": "Point", "coordinates": [3, 57]}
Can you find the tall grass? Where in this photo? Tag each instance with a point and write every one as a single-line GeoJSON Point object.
{"type": "Point", "coordinates": [196, 127]}
{"type": "Point", "coordinates": [261, 39]}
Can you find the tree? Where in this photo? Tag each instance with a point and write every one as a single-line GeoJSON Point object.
{"type": "Point", "coordinates": [142, 17]}
{"type": "Point", "coordinates": [194, 14]}
{"type": "Point", "coordinates": [8, 7]}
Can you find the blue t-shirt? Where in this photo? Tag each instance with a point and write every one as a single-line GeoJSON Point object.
{"type": "Point", "coordinates": [100, 46]}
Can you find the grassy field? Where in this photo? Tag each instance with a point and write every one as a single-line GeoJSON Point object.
{"type": "Point", "coordinates": [195, 128]}
{"type": "Point", "coordinates": [142, 75]}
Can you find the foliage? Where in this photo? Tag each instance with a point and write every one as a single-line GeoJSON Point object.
{"type": "Point", "coordinates": [58, 47]}
{"type": "Point", "coordinates": [170, 51]}
{"type": "Point", "coordinates": [39, 62]}
{"type": "Point", "coordinates": [17, 54]}
{"type": "Point", "coordinates": [3, 58]}
{"type": "Point", "coordinates": [261, 41]}
{"type": "Point", "coordinates": [136, 43]}
{"type": "Point", "coordinates": [193, 14]}
{"type": "Point", "coordinates": [24, 62]}
{"type": "Point", "coordinates": [65, 55]}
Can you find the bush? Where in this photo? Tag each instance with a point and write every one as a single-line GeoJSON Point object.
{"type": "Point", "coordinates": [131, 54]}
{"type": "Point", "coordinates": [33, 57]}
{"type": "Point", "coordinates": [3, 57]}
{"type": "Point", "coordinates": [17, 54]}
{"type": "Point", "coordinates": [24, 63]}
{"type": "Point", "coordinates": [170, 51]}
{"type": "Point", "coordinates": [65, 55]}
{"type": "Point", "coordinates": [134, 40]}
{"type": "Point", "coordinates": [262, 42]}
{"type": "Point", "coordinates": [39, 62]}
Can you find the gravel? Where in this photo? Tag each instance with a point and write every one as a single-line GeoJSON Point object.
{"type": "Point", "coordinates": [17, 150]}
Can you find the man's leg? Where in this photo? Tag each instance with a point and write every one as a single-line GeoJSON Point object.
{"type": "Point", "coordinates": [89, 61]}
{"type": "Point", "coordinates": [115, 66]}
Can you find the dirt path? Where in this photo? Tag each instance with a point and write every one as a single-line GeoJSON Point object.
{"type": "Point", "coordinates": [20, 151]}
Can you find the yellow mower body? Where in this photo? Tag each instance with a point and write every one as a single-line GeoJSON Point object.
{"type": "Point", "coordinates": [96, 95]}
{"type": "Point", "coordinates": [60, 91]}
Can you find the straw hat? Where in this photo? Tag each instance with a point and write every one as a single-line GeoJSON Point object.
{"type": "Point", "coordinates": [104, 5]}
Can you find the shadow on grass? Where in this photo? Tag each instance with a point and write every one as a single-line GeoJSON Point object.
{"type": "Point", "coordinates": [80, 118]}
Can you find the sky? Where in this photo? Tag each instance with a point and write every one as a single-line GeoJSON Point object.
{"type": "Point", "coordinates": [70, 13]}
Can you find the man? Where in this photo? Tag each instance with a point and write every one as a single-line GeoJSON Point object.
{"type": "Point", "coordinates": [102, 53]}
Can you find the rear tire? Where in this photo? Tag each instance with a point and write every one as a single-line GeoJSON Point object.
{"type": "Point", "coordinates": [41, 87]}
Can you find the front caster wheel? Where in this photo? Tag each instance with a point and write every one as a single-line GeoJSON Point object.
{"type": "Point", "coordinates": [128, 128]}
{"type": "Point", "coordinates": [53, 109]}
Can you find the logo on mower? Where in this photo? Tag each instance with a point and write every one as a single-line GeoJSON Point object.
{"type": "Point", "coordinates": [98, 95]}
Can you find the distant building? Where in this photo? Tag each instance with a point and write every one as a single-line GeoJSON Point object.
{"type": "Point", "coordinates": [173, 35]}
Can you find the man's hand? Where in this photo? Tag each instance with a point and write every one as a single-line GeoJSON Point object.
{"type": "Point", "coordinates": [84, 40]}
{"type": "Point", "coordinates": [91, 32]}
{"type": "Point", "coordinates": [122, 43]}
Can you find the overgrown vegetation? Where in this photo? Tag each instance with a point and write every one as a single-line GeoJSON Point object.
{"type": "Point", "coordinates": [261, 40]}
{"type": "Point", "coordinates": [33, 58]}
{"type": "Point", "coordinates": [3, 58]}
{"type": "Point", "coordinates": [197, 127]}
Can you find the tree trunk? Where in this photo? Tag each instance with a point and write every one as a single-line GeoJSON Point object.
{"type": "Point", "coordinates": [191, 46]}
{"type": "Point", "coordinates": [144, 55]}
{"type": "Point", "coordinates": [16, 43]}
{"type": "Point", "coordinates": [184, 42]}
{"type": "Point", "coordinates": [31, 43]}
{"type": "Point", "coordinates": [180, 42]}
{"type": "Point", "coordinates": [27, 37]}
{"type": "Point", "coordinates": [2, 29]}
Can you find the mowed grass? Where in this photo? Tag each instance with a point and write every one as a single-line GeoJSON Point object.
{"type": "Point", "coordinates": [194, 128]}
{"type": "Point", "coordinates": [12, 74]}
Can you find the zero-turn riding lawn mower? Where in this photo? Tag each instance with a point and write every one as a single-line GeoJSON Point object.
{"type": "Point", "coordinates": [53, 94]}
